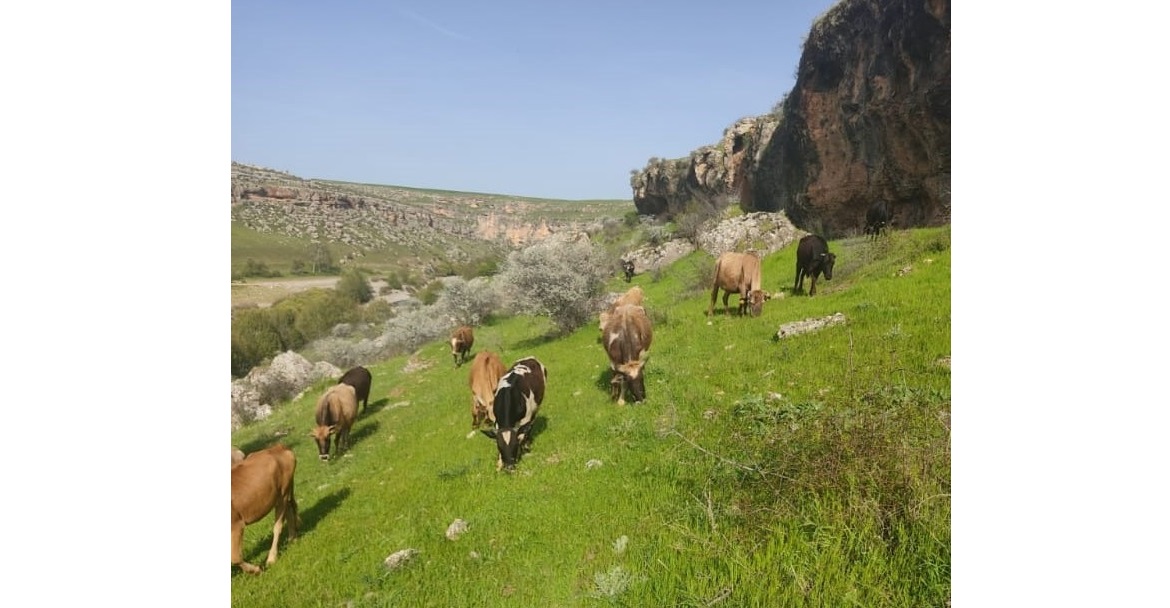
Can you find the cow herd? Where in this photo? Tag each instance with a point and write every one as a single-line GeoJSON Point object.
{"type": "Point", "coordinates": [505, 400]}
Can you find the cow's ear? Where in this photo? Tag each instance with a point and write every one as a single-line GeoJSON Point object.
{"type": "Point", "coordinates": [332, 429]}
{"type": "Point", "coordinates": [523, 431]}
{"type": "Point", "coordinates": [490, 433]}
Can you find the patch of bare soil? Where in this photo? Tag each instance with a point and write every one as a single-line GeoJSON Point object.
{"type": "Point", "coordinates": [263, 292]}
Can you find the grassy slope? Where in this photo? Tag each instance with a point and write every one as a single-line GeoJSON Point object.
{"type": "Point", "coordinates": [699, 528]}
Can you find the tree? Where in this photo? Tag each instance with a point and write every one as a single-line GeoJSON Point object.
{"type": "Point", "coordinates": [320, 260]}
{"type": "Point", "coordinates": [558, 280]}
{"type": "Point", "coordinates": [354, 286]}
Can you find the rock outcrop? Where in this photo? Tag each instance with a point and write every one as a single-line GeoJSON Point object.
{"type": "Point", "coordinates": [868, 119]}
{"type": "Point", "coordinates": [712, 175]}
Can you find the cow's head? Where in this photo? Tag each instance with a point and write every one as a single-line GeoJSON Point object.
{"type": "Point", "coordinates": [632, 372]}
{"type": "Point", "coordinates": [827, 261]}
{"type": "Point", "coordinates": [509, 442]}
{"type": "Point", "coordinates": [756, 299]}
{"type": "Point", "coordinates": [322, 435]}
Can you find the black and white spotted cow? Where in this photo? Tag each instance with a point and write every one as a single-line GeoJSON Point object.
{"type": "Point", "coordinates": [518, 397]}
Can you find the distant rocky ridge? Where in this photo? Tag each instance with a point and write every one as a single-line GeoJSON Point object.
{"type": "Point", "coordinates": [868, 119]}
{"type": "Point", "coordinates": [376, 217]}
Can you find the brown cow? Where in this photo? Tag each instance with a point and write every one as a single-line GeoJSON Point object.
{"type": "Point", "coordinates": [633, 295]}
{"type": "Point", "coordinates": [741, 273]}
{"type": "Point", "coordinates": [461, 340]}
{"type": "Point", "coordinates": [627, 339]}
{"type": "Point", "coordinates": [336, 411]}
{"type": "Point", "coordinates": [486, 370]}
{"type": "Point", "coordinates": [260, 483]}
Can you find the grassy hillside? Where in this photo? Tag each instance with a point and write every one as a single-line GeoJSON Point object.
{"type": "Point", "coordinates": [812, 471]}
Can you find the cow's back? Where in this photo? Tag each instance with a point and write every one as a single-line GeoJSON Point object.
{"type": "Point", "coordinates": [729, 271]}
{"type": "Point", "coordinates": [337, 406]}
{"type": "Point", "coordinates": [526, 376]}
{"type": "Point", "coordinates": [486, 370]}
{"type": "Point", "coordinates": [360, 379]}
{"type": "Point", "coordinates": [260, 480]}
{"type": "Point", "coordinates": [627, 335]}
{"type": "Point", "coordinates": [810, 248]}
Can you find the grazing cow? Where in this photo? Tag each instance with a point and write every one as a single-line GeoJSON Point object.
{"type": "Point", "coordinates": [486, 370]}
{"type": "Point", "coordinates": [627, 339]}
{"type": "Point", "coordinates": [359, 378]}
{"type": "Point", "coordinates": [633, 295]}
{"type": "Point", "coordinates": [740, 273]}
{"type": "Point", "coordinates": [518, 397]}
{"type": "Point", "coordinates": [461, 340]}
{"type": "Point", "coordinates": [237, 455]}
{"type": "Point", "coordinates": [260, 483]}
{"type": "Point", "coordinates": [877, 218]}
{"type": "Point", "coordinates": [628, 269]}
{"type": "Point", "coordinates": [336, 411]}
{"type": "Point", "coordinates": [813, 258]}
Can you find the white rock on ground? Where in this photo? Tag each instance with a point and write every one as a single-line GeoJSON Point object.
{"type": "Point", "coordinates": [399, 558]}
{"type": "Point", "coordinates": [456, 528]}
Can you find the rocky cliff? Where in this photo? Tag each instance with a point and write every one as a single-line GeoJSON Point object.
{"type": "Point", "coordinates": [714, 175]}
{"type": "Point", "coordinates": [868, 119]}
{"type": "Point", "coordinates": [369, 217]}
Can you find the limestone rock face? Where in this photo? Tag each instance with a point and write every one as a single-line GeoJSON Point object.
{"type": "Point", "coordinates": [868, 119]}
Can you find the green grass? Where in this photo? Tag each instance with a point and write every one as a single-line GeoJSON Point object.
{"type": "Point", "coordinates": [813, 471]}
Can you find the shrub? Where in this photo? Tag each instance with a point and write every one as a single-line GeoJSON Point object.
{"type": "Point", "coordinates": [376, 312]}
{"type": "Point", "coordinates": [255, 336]}
{"type": "Point", "coordinates": [468, 302]}
{"type": "Point", "coordinates": [557, 280]}
{"type": "Point", "coordinates": [412, 329]}
{"type": "Point", "coordinates": [353, 285]}
{"type": "Point", "coordinates": [430, 293]}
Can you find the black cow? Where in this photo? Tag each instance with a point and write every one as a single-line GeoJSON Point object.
{"type": "Point", "coordinates": [359, 378]}
{"type": "Point", "coordinates": [518, 397]}
{"type": "Point", "coordinates": [812, 259]}
{"type": "Point", "coordinates": [628, 269]}
{"type": "Point", "coordinates": [877, 218]}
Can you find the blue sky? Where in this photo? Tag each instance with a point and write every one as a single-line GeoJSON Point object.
{"type": "Point", "coordinates": [531, 98]}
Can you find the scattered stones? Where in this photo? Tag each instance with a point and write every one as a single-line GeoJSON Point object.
{"type": "Point", "coordinates": [398, 558]}
{"type": "Point", "coordinates": [456, 529]}
{"type": "Point", "coordinates": [801, 327]}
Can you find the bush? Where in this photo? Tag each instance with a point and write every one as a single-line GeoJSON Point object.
{"type": "Point", "coordinates": [353, 285]}
{"type": "Point", "coordinates": [411, 330]}
{"type": "Point", "coordinates": [259, 333]}
{"type": "Point", "coordinates": [430, 293]}
{"type": "Point", "coordinates": [557, 280]}
{"type": "Point", "coordinates": [376, 312]}
{"type": "Point", "coordinates": [468, 302]}
{"type": "Point", "coordinates": [252, 268]}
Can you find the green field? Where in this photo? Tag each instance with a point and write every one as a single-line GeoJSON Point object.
{"type": "Point", "coordinates": [808, 471]}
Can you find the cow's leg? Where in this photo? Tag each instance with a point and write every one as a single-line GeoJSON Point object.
{"type": "Point", "coordinates": [714, 295]}
{"type": "Point", "coordinates": [615, 387]}
{"type": "Point", "coordinates": [726, 309]}
{"type": "Point", "coordinates": [278, 524]}
{"type": "Point", "coordinates": [237, 550]}
{"type": "Point", "coordinates": [291, 516]}
{"type": "Point", "coordinates": [812, 288]}
{"type": "Point", "coordinates": [798, 283]}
